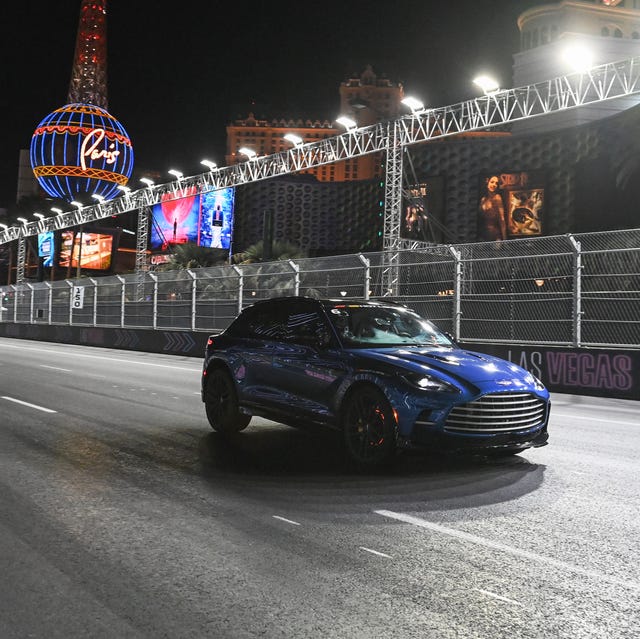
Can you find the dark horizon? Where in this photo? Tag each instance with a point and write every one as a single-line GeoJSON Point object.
{"type": "Point", "coordinates": [183, 76]}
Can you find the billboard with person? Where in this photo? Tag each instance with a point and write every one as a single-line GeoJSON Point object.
{"type": "Point", "coordinates": [510, 205]}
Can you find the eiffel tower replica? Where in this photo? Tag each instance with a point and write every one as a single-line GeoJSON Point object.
{"type": "Point", "coordinates": [88, 83]}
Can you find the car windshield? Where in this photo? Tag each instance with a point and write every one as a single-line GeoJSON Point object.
{"type": "Point", "coordinates": [364, 326]}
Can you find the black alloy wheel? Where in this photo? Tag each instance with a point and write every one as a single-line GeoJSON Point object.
{"type": "Point", "coordinates": [221, 404]}
{"type": "Point", "coordinates": [369, 428]}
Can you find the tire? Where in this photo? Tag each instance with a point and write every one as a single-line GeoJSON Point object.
{"type": "Point", "coordinates": [221, 404]}
{"type": "Point", "coordinates": [369, 428]}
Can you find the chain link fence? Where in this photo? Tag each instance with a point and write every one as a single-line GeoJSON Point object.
{"type": "Point", "coordinates": [572, 290]}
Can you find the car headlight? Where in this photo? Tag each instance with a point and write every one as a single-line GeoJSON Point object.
{"type": "Point", "coordinates": [429, 383]}
{"type": "Point", "coordinates": [538, 385]}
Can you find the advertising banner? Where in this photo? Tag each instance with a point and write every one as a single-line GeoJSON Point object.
{"type": "Point", "coordinates": [511, 205]}
{"type": "Point", "coordinates": [423, 206]}
{"type": "Point", "coordinates": [599, 372]}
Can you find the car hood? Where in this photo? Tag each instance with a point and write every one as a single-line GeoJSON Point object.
{"type": "Point", "coordinates": [458, 363]}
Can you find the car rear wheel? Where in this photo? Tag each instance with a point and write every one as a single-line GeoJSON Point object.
{"type": "Point", "coordinates": [221, 404]}
{"type": "Point", "coordinates": [369, 428]}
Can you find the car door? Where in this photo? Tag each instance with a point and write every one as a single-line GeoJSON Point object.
{"type": "Point", "coordinates": [306, 371]}
{"type": "Point", "coordinates": [260, 332]}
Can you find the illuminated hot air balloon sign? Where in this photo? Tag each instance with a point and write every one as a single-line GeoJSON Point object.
{"type": "Point", "coordinates": [81, 149]}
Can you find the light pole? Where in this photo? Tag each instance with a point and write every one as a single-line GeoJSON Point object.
{"type": "Point", "coordinates": [209, 164]}
{"type": "Point", "coordinates": [249, 153]}
{"type": "Point", "coordinates": [348, 123]}
{"type": "Point", "coordinates": [296, 140]}
{"type": "Point", "coordinates": [488, 84]}
{"type": "Point", "coordinates": [415, 105]}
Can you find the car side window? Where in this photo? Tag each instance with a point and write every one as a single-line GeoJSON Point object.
{"type": "Point", "coordinates": [264, 321]}
{"type": "Point", "coordinates": [304, 324]}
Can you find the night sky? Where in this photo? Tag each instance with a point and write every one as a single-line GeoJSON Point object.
{"type": "Point", "coordinates": [177, 77]}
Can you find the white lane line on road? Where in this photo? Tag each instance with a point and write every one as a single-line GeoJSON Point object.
{"type": "Point", "coordinates": [197, 368]}
{"type": "Point", "coordinates": [288, 521]}
{"type": "Point", "coordinates": [595, 419]}
{"type": "Point", "coordinates": [19, 401]}
{"type": "Point", "coordinates": [56, 368]}
{"type": "Point", "coordinates": [500, 597]}
{"type": "Point", "coordinates": [496, 545]}
{"type": "Point", "coordinates": [375, 552]}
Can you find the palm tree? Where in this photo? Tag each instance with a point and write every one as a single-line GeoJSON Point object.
{"type": "Point", "coordinates": [279, 251]}
{"type": "Point", "coordinates": [191, 255]}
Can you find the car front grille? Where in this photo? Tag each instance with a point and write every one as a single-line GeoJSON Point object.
{"type": "Point", "coordinates": [497, 413]}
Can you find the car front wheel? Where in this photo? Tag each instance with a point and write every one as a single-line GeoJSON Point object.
{"type": "Point", "coordinates": [369, 428]}
{"type": "Point", "coordinates": [221, 404]}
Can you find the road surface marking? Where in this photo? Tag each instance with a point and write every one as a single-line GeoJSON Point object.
{"type": "Point", "coordinates": [500, 597]}
{"type": "Point", "coordinates": [19, 401]}
{"type": "Point", "coordinates": [56, 368]}
{"type": "Point", "coordinates": [504, 548]}
{"type": "Point", "coordinates": [375, 552]}
{"type": "Point", "coordinates": [196, 368]}
{"type": "Point", "coordinates": [596, 419]}
{"type": "Point", "coordinates": [288, 521]}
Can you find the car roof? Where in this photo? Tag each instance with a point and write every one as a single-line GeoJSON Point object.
{"type": "Point", "coordinates": [330, 301]}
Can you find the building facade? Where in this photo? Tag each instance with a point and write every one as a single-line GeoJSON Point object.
{"type": "Point", "coordinates": [366, 98]}
{"type": "Point", "coordinates": [597, 31]}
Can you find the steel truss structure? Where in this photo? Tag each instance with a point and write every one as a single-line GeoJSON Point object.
{"type": "Point", "coordinates": [605, 82]}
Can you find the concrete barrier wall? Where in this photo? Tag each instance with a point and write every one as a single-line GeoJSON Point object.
{"type": "Point", "coordinates": [148, 340]}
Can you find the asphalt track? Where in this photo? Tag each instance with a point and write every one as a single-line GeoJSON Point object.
{"type": "Point", "coordinates": [123, 515]}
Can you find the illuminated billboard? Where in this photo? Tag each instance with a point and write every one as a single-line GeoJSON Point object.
{"type": "Point", "coordinates": [46, 247]}
{"type": "Point", "coordinates": [205, 219]}
{"type": "Point", "coordinates": [511, 205]}
{"type": "Point", "coordinates": [93, 249]}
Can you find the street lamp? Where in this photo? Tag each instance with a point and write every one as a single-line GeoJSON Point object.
{"type": "Point", "coordinates": [100, 198]}
{"type": "Point", "coordinates": [56, 211]}
{"type": "Point", "coordinates": [209, 164]}
{"type": "Point", "coordinates": [250, 153]}
{"type": "Point", "coordinates": [40, 216]}
{"type": "Point", "coordinates": [23, 220]}
{"type": "Point", "coordinates": [296, 140]}
{"type": "Point", "coordinates": [4, 227]}
{"type": "Point", "coordinates": [346, 122]}
{"type": "Point", "coordinates": [125, 189]}
{"type": "Point", "coordinates": [414, 104]}
{"type": "Point", "coordinates": [487, 84]}
{"type": "Point", "coordinates": [178, 175]}
{"type": "Point", "coordinates": [147, 181]}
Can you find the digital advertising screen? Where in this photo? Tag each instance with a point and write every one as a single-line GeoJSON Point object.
{"type": "Point", "coordinates": [511, 205]}
{"type": "Point", "coordinates": [46, 247]}
{"type": "Point", "coordinates": [175, 221]}
{"type": "Point", "coordinates": [205, 219]}
{"type": "Point", "coordinates": [93, 249]}
{"type": "Point", "coordinates": [217, 218]}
